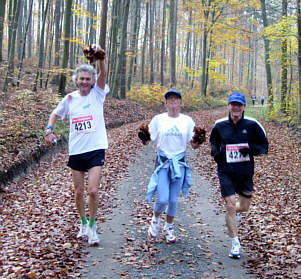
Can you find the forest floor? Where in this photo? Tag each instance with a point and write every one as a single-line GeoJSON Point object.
{"type": "Point", "coordinates": [39, 221]}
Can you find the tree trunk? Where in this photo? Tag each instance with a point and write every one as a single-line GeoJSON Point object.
{"type": "Point", "coordinates": [163, 45]}
{"type": "Point", "coordinates": [11, 65]}
{"type": "Point", "coordinates": [2, 16]}
{"type": "Point", "coordinates": [134, 43]}
{"type": "Point", "coordinates": [113, 51]}
{"type": "Point", "coordinates": [24, 40]}
{"type": "Point", "coordinates": [144, 42]}
{"type": "Point", "coordinates": [172, 42]}
{"type": "Point", "coordinates": [103, 27]}
{"type": "Point", "coordinates": [122, 53]}
{"type": "Point", "coordinates": [284, 65]}
{"type": "Point", "coordinates": [267, 57]}
{"type": "Point", "coordinates": [62, 85]}
{"type": "Point", "coordinates": [41, 49]}
{"type": "Point", "coordinates": [188, 48]}
{"type": "Point", "coordinates": [299, 58]}
{"type": "Point", "coordinates": [20, 30]}
{"type": "Point", "coordinates": [151, 42]}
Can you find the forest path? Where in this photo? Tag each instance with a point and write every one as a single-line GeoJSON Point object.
{"type": "Point", "coordinates": [125, 251]}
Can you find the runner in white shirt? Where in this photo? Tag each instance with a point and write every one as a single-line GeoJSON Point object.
{"type": "Point", "coordinates": [87, 139]}
{"type": "Point", "coordinates": [172, 130]}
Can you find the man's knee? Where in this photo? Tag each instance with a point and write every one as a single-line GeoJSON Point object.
{"type": "Point", "coordinates": [92, 192]}
{"type": "Point", "coordinates": [230, 206]}
{"type": "Point", "coordinates": [79, 193]}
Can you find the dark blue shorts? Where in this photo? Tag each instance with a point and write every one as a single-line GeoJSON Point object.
{"type": "Point", "coordinates": [235, 183]}
{"type": "Point", "coordinates": [86, 161]}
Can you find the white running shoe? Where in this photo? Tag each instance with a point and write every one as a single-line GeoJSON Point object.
{"type": "Point", "coordinates": [82, 231]}
{"type": "Point", "coordinates": [92, 236]}
{"type": "Point", "coordinates": [154, 228]}
{"type": "Point", "coordinates": [169, 234]}
{"type": "Point", "coordinates": [235, 250]}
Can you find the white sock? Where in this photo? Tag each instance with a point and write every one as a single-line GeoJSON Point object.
{"type": "Point", "coordinates": [167, 225]}
{"type": "Point", "coordinates": [156, 219]}
{"type": "Point", "coordinates": [235, 240]}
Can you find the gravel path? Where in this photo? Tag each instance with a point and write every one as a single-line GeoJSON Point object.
{"type": "Point", "coordinates": [202, 246]}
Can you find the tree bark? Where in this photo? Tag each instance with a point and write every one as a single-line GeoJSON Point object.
{"type": "Point", "coordinates": [299, 59]}
{"type": "Point", "coordinates": [172, 42]}
{"type": "Point", "coordinates": [11, 65]}
{"type": "Point", "coordinates": [103, 27]}
{"type": "Point", "coordinates": [62, 85]}
{"type": "Point", "coordinates": [2, 16]}
{"type": "Point", "coordinates": [267, 57]}
{"type": "Point", "coordinates": [284, 65]}
{"type": "Point", "coordinates": [163, 44]}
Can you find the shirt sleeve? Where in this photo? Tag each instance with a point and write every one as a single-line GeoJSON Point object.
{"type": "Point", "coordinates": [101, 93]}
{"type": "Point", "coordinates": [153, 128]}
{"type": "Point", "coordinates": [62, 108]}
{"type": "Point", "coordinates": [190, 133]}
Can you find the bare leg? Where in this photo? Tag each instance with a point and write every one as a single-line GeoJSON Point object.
{"type": "Point", "coordinates": [93, 185]}
{"type": "Point", "coordinates": [243, 204]}
{"type": "Point", "coordinates": [231, 221]}
{"type": "Point", "coordinates": [169, 219]}
{"type": "Point", "coordinates": [79, 188]}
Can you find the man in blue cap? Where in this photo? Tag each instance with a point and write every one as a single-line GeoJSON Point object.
{"type": "Point", "coordinates": [235, 140]}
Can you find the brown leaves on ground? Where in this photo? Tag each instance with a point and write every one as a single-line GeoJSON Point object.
{"type": "Point", "coordinates": [24, 116]}
{"type": "Point", "coordinates": [39, 220]}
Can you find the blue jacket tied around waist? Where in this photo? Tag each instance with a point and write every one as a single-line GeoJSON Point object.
{"type": "Point", "coordinates": [173, 163]}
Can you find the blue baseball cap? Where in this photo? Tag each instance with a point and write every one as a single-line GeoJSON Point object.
{"type": "Point", "coordinates": [172, 91]}
{"type": "Point", "coordinates": [237, 97]}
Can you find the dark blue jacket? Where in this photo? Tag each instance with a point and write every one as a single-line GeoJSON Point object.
{"type": "Point", "coordinates": [247, 130]}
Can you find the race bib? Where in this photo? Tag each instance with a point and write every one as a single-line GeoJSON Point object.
{"type": "Point", "coordinates": [83, 124]}
{"type": "Point", "coordinates": [233, 155]}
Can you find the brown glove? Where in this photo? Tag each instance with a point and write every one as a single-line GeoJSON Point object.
{"type": "Point", "coordinates": [199, 135]}
{"type": "Point", "coordinates": [144, 134]}
{"type": "Point", "coordinates": [94, 53]}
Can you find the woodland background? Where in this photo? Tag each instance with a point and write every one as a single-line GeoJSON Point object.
{"type": "Point", "coordinates": [205, 48]}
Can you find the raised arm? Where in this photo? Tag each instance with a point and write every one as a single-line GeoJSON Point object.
{"type": "Point", "coordinates": [101, 79]}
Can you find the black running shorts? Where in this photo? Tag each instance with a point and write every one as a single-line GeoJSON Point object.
{"type": "Point", "coordinates": [235, 183]}
{"type": "Point", "coordinates": [86, 161]}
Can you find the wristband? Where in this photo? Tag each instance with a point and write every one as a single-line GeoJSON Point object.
{"type": "Point", "coordinates": [49, 127]}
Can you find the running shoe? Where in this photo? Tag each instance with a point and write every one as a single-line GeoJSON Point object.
{"type": "Point", "coordinates": [169, 234]}
{"type": "Point", "coordinates": [154, 228]}
{"type": "Point", "coordinates": [92, 236]}
{"type": "Point", "coordinates": [238, 218]}
{"type": "Point", "coordinates": [235, 251]}
{"type": "Point", "coordinates": [82, 231]}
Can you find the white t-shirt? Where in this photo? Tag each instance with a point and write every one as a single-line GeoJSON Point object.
{"type": "Point", "coordinates": [87, 127]}
{"type": "Point", "coordinates": [171, 133]}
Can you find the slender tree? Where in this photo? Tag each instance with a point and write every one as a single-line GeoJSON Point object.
{"type": "Point", "coordinates": [299, 58]}
{"type": "Point", "coordinates": [172, 42]}
{"type": "Point", "coordinates": [66, 45]}
{"type": "Point", "coordinates": [151, 42]}
{"type": "Point", "coordinates": [284, 65]}
{"type": "Point", "coordinates": [103, 27]}
{"type": "Point", "coordinates": [24, 40]}
{"type": "Point", "coordinates": [144, 42]}
{"type": "Point", "coordinates": [41, 49]}
{"type": "Point", "coordinates": [267, 56]}
{"type": "Point", "coordinates": [133, 42]}
{"type": "Point", "coordinates": [2, 16]}
{"type": "Point", "coordinates": [11, 56]}
{"type": "Point", "coordinates": [162, 52]}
